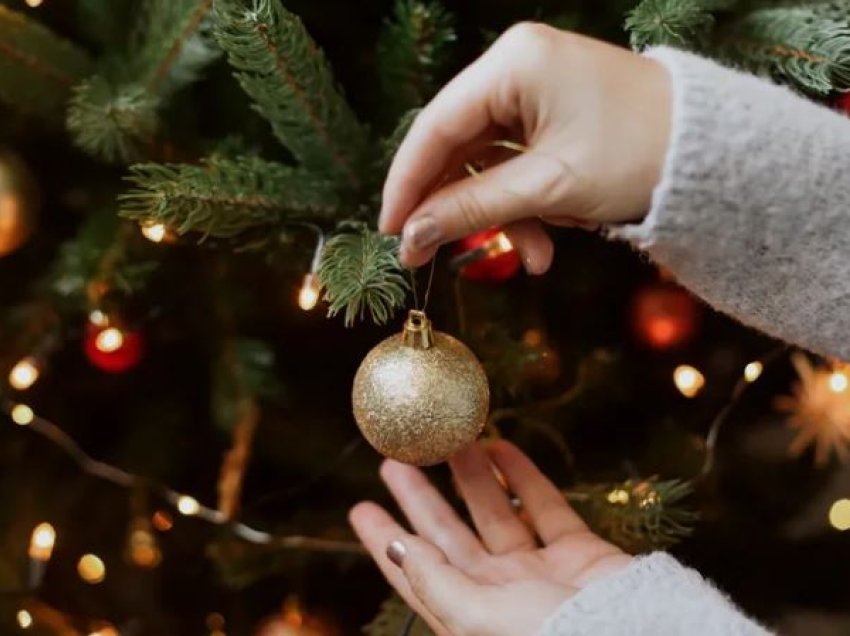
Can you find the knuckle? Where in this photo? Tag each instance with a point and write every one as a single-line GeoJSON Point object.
{"type": "Point", "coordinates": [526, 33]}
{"type": "Point", "coordinates": [471, 212]}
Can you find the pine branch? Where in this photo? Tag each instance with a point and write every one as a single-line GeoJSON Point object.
{"type": "Point", "coordinates": [801, 44]}
{"type": "Point", "coordinates": [225, 197]}
{"type": "Point", "coordinates": [116, 124]}
{"type": "Point", "coordinates": [37, 68]}
{"type": "Point", "coordinates": [175, 44]}
{"type": "Point", "coordinates": [412, 52]}
{"type": "Point", "coordinates": [360, 271]}
{"type": "Point", "coordinates": [287, 76]}
{"type": "Point", "coordinates": [683, 23]}
{"type": "Point", "coordinates": [638, 516]}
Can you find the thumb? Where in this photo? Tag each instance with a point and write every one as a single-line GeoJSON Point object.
{"type": "Point", "coordinates": [527, 186]}
{"type": "Point", "coordinates": [450, 595]}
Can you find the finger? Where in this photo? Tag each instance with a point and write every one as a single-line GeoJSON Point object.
{"type": "Point", "coordinates": [495, 518]}
{"type": "Point", "coordinates": [448, 594]}
{"type": "Point", "coordinates": [430, 514]}
{"type": "Point", "coordinates": [481, 96]}
{"type": "Point", "coordinates": [534, 246]}
{"type": "Point", "coordinates": [546, 505]}
{"type": "Point", "coordinates": [529, 185]}
{"type": "Point", "coordinates": [376, 529]}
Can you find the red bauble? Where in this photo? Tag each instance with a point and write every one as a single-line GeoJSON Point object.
{"type": "Point", "coordinates": [111, 349]}
{"type": "Point", "coordinates": [501, 263]}
{"type": "Point", "coordinates": [665, 316]}
{"type": "Point", "coordinates": [842, 102]}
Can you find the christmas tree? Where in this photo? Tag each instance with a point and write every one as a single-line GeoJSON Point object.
{"type": "Point", "coordinates": [188, 186]}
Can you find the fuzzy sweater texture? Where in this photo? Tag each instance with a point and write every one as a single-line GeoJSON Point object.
{"type": "Point", "coordinates": [753, 215]}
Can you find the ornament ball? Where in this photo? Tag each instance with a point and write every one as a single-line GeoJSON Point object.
{"type": "Point", "coordinates": [421, 395]}
{"type": "Point", "coordinates": [18, 203]}
{"type": "Point", "coordinates": [118, 356]}
{"type": "Point", "coordinates": [498, 262]}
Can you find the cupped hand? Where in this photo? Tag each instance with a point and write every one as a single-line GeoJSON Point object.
{"type": "Point", "coordinates": [503, 578]}
{"type": "Point", "coordinates": [595, 119]}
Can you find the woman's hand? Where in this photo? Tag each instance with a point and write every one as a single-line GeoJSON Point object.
{"type": "Point", "coordinates": [595, 119]}
{"type": "Point", "coordinates": [507, 579]}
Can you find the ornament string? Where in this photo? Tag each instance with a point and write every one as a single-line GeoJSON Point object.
{"type": "Point", "coordinates": [428, 287]}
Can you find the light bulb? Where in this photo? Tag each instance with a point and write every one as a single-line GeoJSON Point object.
{"type": "Point", "coordinates": [98, 318]}
{"type": "Point", "coordinates": [24, 619]}
{"type": "Point", "coordinates": [688, 380]}
{"type": "Point", "coordinates": [42, 541]}
{"type": "Point", "coordinates": [838, 382]}
{"type": "Point", "coordinates": [22, 415]}
{"type": "Point", "coordinates": [34, 3]}
{"type": "Point", "coordinates": [839, 514]}
{"type": "Point", "coordinates": [308, 295]}
{"type": "Point", "coordinates": [753, 371]}
{"type": "Point", "coordinates": [162, 521]}
{"type": "Point", "coordinates": [188, 505]}
{"type": "Point", "coordinates": [154, 232]}
{"type": "Point", "coordinates": [499, 244]}
{"type": "Point", "coordinates": [109, 340]}
{"type": "Point", "coordinates": [24, 374]}
{"type": "Point", "coordinates": [91, 569]}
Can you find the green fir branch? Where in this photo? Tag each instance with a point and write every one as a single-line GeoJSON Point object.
{"type": "Point", "coordinates": [412, 53]}
{"type": "Point", "coordinates": [684, 23]}
{"type": "Point", "coordinates": [360, 272]}
{"type": "Point", "coordinates": [291, 83]}
{"type": "Point", "coordinates": [226, 197]}
{"type": "Point", "coordinates": [244, 371]}
{"type": "Point", "coordinates": [117, 124]}
{"type": "Point", "coordinates": [638, 516]}
{"type": "Point", "coordinates": [37, 68]}
{"type": "Point", "coordinates": [803, 45]}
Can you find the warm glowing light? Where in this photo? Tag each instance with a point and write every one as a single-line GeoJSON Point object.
{"type": "Point", "coordinates": [215, 622]}
{"type": "Point", "coordinates": [106, 630]}
{"type": "Point", "coordinates": [188, 505]}
{"type": "Point", "coordinates": [91, 569]}
{"type": "Point", "coordinates": [98, 318]}
{"type": "Point", "coordinates": [34, 3]}
{"type": "Point", "coordinates": [308, 295]}
{"type": "Point", "coordinates": [688, 380]}
{"type": "Point", "coordinates": [144, 551]}
{"type": "Point", "coordinates": [42, 541]}
{"type": "Point", "coordinates": [109, 340]}
{"type": "Point", "coordinates": [155, 232]}
{"type": "Point", "coordinates": [753, 370]}
{"type": "Point", "coordinates": [24, 619]}
{"type": "Point", "coordinates": [499, 244]}
{"type": "Point", "coordinates": [618, 496]}
{"type": "Point", "coordinates": [839, 515]}
{"type": "Point", "coordinates": [838, 382]}
{"type": "Point", "coordinates": [22, 414]}
{"type": "Point", "coordinates": [162, 521]}
{"type": "Point", "coordinates": [24, 374]}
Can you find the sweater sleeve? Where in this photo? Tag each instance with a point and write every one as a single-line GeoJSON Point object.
{"type": "Point", "coordinates": [753, 209]}
{"type": "Point", "coordinates": [654, 595]}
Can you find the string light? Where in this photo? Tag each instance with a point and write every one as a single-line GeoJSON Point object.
{"type": "Point", "coordinates": [105, 630]}
{"type": "Point", "coordinates": [838, 382]}
{"type": "Point", "coordinates": [215, 623]}
{"type": "Point", "coordinates": [154, 232]}
{"type": "Point", "coordinates": [753, 371]}
{"type": "Point", "coordinates": [839, 515]}
{"type": "Point", "coordinates": [34, 3]}
{"type": "Point", "coordinates": [618, 496]}
{"type": "Point", "coordinates": [41, 542]}
{"type": "Point", "coordinates": [24, 619]}
{"type": "Point", "coordinates": [188, 505]}
{"type": "Point", "coordinates": [22, 415]}
{"type": "Point", "coordinates": [499, 244]}
{"type": "Point", "coordinates": [24, 374]}
{"type": "Point", "coordinates": [162, 521]}
{"type": "Point", "coordinates": [109, 340]}
{"type": "Point", "coordinates": [688, 380]}
{"type": "Point", "coordinates": [91, 569]}
{"type": "Point", "coordinates": [98, 318]}
{"type": "Point", "coordinates": [308, 295]}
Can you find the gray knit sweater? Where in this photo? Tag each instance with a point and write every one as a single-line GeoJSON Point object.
{"type": "Point", "coordinates": [752, 215]}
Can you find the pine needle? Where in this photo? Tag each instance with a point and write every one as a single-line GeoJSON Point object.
{"type": "Point", "coordinates": [360, 272]}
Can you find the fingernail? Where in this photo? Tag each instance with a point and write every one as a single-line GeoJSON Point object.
{"type": "Point", "coordinates": [421, 233]}
{"type": "Point", "coordinates": [396, 552]}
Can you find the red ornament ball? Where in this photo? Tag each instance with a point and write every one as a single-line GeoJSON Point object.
{"type": "Point", "coordinates": [665, 316]}
{"type": "Point", "coordinates": [111, 349]}
{"type": "Point", "coordinates": [842, 102]}
{"type": "Point", "coordinates": [499, 260]}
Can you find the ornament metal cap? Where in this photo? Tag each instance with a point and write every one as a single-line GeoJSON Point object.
{"type": "Point", "coordinates": [417, 330]}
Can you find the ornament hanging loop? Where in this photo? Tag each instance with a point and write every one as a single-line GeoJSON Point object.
{"type": "Point", "coordinates": [417, 330]}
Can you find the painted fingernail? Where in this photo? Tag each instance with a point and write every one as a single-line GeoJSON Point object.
{"type": "Point", "coordinates": [396, 552]}
{"type": "Point", "coordinates": [421, 233]}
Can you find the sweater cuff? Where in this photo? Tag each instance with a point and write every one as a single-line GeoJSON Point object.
{"type": "Point", "coordinates": [653, 595]}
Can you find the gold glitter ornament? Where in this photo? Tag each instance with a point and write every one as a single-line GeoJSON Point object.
{"type": "Point", "coordinates": [421, 395]}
